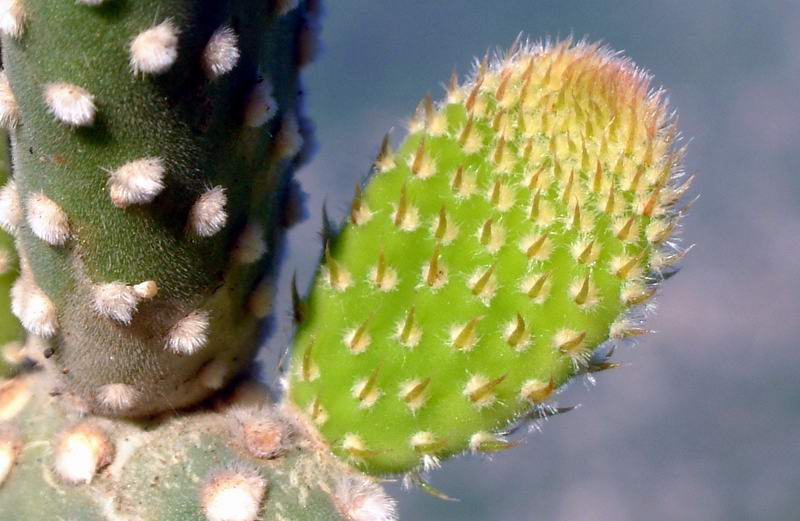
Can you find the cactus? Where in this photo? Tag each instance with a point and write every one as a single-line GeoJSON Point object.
{"type": "Point", "coordinates": [521, 225]}
{"type": "Point", "coordinates": [153, 143]}
{"type": "Point", "coordinates": [242, 461]}
{"type": "Point", "coordinates": [517, 234]}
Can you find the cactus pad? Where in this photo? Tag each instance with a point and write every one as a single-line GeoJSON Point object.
{"type": "Point", "coordinates": [518, 227]}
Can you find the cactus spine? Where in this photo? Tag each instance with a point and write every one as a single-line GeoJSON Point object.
{"type": "Point", "coordinates": [521, 224]}
{"type": "Point", "coordinates": [153, 144]}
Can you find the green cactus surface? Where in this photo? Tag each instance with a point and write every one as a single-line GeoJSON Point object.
{"type": "Point", "coordinates": [523, 222]}
{"type": "Point", "coordinates": [10, 328]}
{"type": "Point", "coordinates": [153, 144]}
{"type": "Point", "coordinates": [239, 461]}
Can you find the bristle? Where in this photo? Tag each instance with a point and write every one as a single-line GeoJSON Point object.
{"type": "Point", "coordinates": [117, 397]}
{"type": "Point", "coordinates": [385, 160]}
{"type": "Point", "coordinates": [215, 374]}
{"type": "Point", "coordinates": [481, 391]}
{"type": "Point", "coordinates": [47, 220]}
{"type": "Point", "coordinates": [81, 452]}
{"type": "Point", "coordinates": [233, 494]}
{"type": "Point", "coordinates": [33, 307]}
{"type": "Point", "coordinates": [264, 434]}
{"type": "Point", "coordinates": [116, 301]}
{"type": "Point", "coordinates": [10, 447]}
{"type": "Point", "coordinates": [413, 393]}
{"type": "Point", "coordinates": [208, 215]}
{"type": "Point", "coordinates": [283, 7]}
{"type": "Point", "coordinates": [536, 391]}
{"type": "Point", "coordinates": [221, 53]}
{"type": "Point", "coordinates": [260, 302]}
{"type": "Point", "coordinates": [9, 111]}
{"type": "Point", "coordinates": [10, 208]}
{"type": "Point", "coordinates": [154, 50]}
{"type": "Point", "coordinates": [250, 247]}
{"type": "Point", "coordinates": [360, 499]}
{"type": "Point", "coordinates": [289, 141]}
{"type": "Point", "coordinates": [70, 104]}
{"type": "Point", "coordinates": [366, 390]}
{"type": "Point", "coordinates": [15, 394]}
{"type": "Point", "coordinates": [261, 107]}
{"type": "Point", "coordinates": [136, 182]}
{"type": "Point", "coordinates": [189, 334]}
{"type": "Point", "coordinates": [12, 18]}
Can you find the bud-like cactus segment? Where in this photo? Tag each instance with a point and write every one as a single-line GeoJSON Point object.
{"type": "Point", "coordinates": [515, 230]}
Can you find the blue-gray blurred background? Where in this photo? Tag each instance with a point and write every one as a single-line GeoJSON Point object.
{"type": "Point", "coordinates": [704, 423]}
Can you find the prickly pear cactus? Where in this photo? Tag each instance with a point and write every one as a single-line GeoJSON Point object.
{"type": "Point", "coordinates": [244, 460]}
{"type": "Point", "coordinates": [153, 143]}
{"type": "Point", "coordinates": [10, 329]}
{"type": "Point", "coordinates": [522, 223]}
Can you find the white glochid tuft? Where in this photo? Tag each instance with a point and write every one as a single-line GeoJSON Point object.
{"type": "Point", "coordinates": [233, 494]}
{"type": "Point", "coordinates": [136, 182]}
{"type": "Point", "coordinates": [261, 106]}
{"type": "Point", "coordinates": [118, 301]}
{"type": "Point", "coordinates": [214, 374]}
{"type": "Point", "coordinates": [250, 246]}
{"type": "Point", "coordinates": [81, 452]}
{"type": "Point", "coordinates": [289, 140]}
{"type": "Point", "coordinates": [117, 397]}
{"type": "Point", "coordinates": [12, 18]}
{"type": "Point", "coordinates": [70, 104]}
{"type": "Point", "coordinates": [33, 308]}
{"type": "Point", "coordinates": [154, 50]}
{"type": "Point", "coordinates": [10, 208]}
{"type": "Point", "coordinates": [284, 6]}
{"type": "Point", "coordinates": [208, 215]}
{"type": "Point", "coordinates": [47, 220]}
{"type": "Point", "coordinates": [360, 499]}
{"type": "Point", "coordinates": [9, 110]}
{"type": "Point", "coordinates": [221, 53]}
{"type": "Point", "coordinates": [189, 334]}
{"type": "Point", "coordinates": [9, 450]}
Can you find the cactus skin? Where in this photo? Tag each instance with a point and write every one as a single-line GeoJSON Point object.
{"type": "Point", "coordinates": [10, 329]}
{"type": "Point", "coordinates": [400, 365]}
{"type": "Point", "coordinates": [165, 468]}
{"type": "Point", "coordinates": [109, 93]}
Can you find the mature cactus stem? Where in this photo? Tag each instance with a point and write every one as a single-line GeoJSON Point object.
{"type": "Point", "coordinates": [153, 152]}
{"type": "Point", "coordinates": [240, 461]}
{"type": "Point", "coordinates": [513, 233]}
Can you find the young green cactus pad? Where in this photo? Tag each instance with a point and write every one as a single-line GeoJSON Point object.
{"type": "Point", "coordinates": [515, 230]}
{"type": "Point", "coordinates": [242, 461]}
{"type": "Point", "coordinates": [153, 143]}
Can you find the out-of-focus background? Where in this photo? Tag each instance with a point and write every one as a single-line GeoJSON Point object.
{"type": "Point", "coordinates": [704, 424]}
